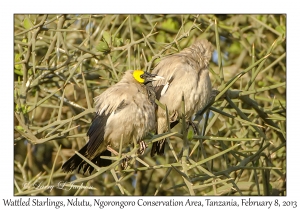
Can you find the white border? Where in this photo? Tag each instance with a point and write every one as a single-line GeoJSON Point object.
{"type": "Point", "coordinates": [141, 7]}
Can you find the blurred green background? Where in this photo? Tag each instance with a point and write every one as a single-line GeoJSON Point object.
{"type": "Point", "coordinates": [61, 62]}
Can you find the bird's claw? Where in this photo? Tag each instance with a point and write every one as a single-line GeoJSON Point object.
{"type": "Point", "coordinates": [143, 147]}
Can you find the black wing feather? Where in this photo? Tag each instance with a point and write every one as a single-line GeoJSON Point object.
{"type": "Point", "coordinates": [96, 137]}
{"type": "Point", "coordinates": [158, 90]}
{"type": "Point", "coordinates": [96, 133]}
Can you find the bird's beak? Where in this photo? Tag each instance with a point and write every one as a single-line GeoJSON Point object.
{"type": "Point", "coordinates": [156, 77]}
{"type": "Point", "coordinates": [151, 77]}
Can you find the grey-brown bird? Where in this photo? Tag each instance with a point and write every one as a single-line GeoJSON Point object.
{"type": "Point", "coordinates": [125, 110]}
{"type": "Point", "coordinates": [186, 73]}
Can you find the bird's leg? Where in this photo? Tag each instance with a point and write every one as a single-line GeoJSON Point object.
{"type": "Point", "coordinates": [126, 159]}
{"type": "Point", "coordinates": [112, 150]}
{"type": "Point", "coordinates": [143, 147]}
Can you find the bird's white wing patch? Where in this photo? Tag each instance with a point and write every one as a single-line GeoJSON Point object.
{"type": "Point", "coordinates": [102, 110]}
{"type": "Point", "coordinates": [165, 88]}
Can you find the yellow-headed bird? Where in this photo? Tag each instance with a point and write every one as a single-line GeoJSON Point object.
{"type": "Point", "coordinates": [125, 110]}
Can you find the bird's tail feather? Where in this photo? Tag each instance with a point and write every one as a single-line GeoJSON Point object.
{"type": "Point", "coordinates": [158, 147]}
{"type": "Point", "coordinates": [77, 162]}
{"type": "Point", "coordinates": [74, 161]}
{"type": "Point", "coordinates": [97, 161]}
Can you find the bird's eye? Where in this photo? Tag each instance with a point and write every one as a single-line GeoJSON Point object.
{"type": "Point", "coordinates": [142, 76]}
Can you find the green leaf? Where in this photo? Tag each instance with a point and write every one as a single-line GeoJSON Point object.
{"type": "Point", "coordinates": [24, 108]}
{"type": "Point", "coordinates": [107, 37]}
{"type": "Point", "coordinates": [261, 83]}
{"type": "Point", "coordinates": [169, 24]}
{"type": "Point", "coordinates": [18, 72]}
{"type": "Point", "coordinates": [161, 37]}
{"type": "Point", "coordinates": [118, 42]}
{"type": "Point", "coordinates": [235, 48]}
{"type": "Point", "coordinates": [20, 128]}
{"type": "Point", "coordinates": [190, 133]}
{"type": "Point", "coordinates": [137, 19]}
{"type": "Point", "coordinates": [103, 47]}
{"type": "Point", "coordinates": [188, 25]}
{"type": "Point", "coordinates": [17, 59]}
{"type": "Point", "coordinates": [280, 29]}
{"type": "Point", "coordinates": [27, 23]}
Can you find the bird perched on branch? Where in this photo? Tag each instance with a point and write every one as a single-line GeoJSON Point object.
{"type": "Point", "coordinates": [186, 74]}
{"type": "Point", "coordinates": [125, 110]}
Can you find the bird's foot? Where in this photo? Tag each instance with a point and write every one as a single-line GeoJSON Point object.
{"type": "Point", "coordinates": [143, 147]}
{"type": "Point", "coordinates": [125, 162]}
{"type": "Point", "coordinates": [126, 159]}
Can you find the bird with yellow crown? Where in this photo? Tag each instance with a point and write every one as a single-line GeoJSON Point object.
{"type": "Point", "coordinates": [125, 110]}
